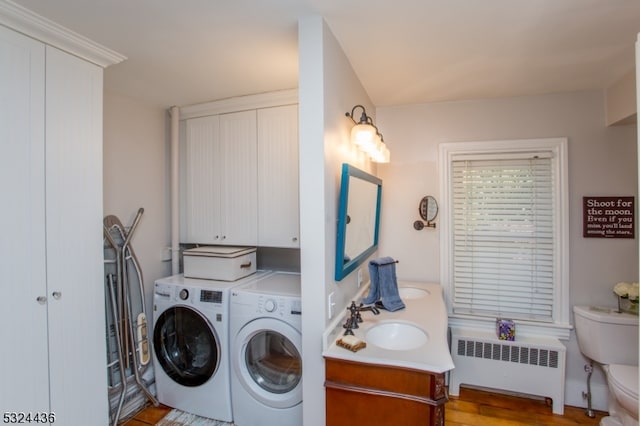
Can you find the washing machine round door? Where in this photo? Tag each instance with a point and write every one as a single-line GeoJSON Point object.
{"type": "Point", "coordinates": [186, 346]}
{"type": "Point", "coordinates": [268, 363]}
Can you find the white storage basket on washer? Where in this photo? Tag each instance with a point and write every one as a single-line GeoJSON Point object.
{"type": "Point", "coordinates": [223, 263]}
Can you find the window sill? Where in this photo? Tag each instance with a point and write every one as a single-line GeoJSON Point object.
{"type": "Point", "coordinates": [523, 328]}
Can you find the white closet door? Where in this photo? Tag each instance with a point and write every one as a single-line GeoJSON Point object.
{"type": "Point", "coordinates": [75, 270]}
{"type": "Point", "coordinates": [24, 376]}
{"type": "Point", "coordinates": [239, 216]}
{"type": "Point", "coordinates": [278, 205]}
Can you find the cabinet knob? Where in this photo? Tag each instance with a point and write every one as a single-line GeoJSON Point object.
{"type": "Point", "coordinates": [57, 295]}
{"type": "Point", "coordinates": [41, 300]}
{"type": "Point", "coordinates": [294, 239]}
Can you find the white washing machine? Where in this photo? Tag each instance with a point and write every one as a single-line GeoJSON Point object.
{"type": "Point", "coordinates": [191, 344]}
{"type": "Point", "coordinates": [266, 351]}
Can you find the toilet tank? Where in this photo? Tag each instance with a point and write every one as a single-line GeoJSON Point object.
{"type": "Point", "coordinates": [607, 336]}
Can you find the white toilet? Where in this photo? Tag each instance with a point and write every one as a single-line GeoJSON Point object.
{"type": "Point", "coordinates": [611, 339]}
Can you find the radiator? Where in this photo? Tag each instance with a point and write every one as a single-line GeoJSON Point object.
{"type": "Point", "coordinates": [533, 366]}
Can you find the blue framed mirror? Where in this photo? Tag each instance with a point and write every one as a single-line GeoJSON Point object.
{"type": "Point", "coordinates": [358, 219]}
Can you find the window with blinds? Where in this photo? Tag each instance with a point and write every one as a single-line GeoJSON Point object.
{"type": "Point", "coordinates": [502, 224]}
{"type": "Point", "coordinates": [504, 246]}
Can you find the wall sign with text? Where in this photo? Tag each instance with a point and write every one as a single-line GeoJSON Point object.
{"type": "Point", "coordinates": [608, 217]}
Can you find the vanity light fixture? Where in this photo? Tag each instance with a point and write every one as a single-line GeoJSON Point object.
{"type": "Point", "coordinates": [366, 136]}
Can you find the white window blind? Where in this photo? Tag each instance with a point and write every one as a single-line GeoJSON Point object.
{"type": "Point", "coordinates": [503, 231]}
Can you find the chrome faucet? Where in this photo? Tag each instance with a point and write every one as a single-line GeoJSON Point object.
{"type": "Point", "coordinates": [355, 317]}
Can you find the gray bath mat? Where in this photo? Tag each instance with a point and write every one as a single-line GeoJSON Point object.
{"type": "Point", "coordinates": [180, 418]}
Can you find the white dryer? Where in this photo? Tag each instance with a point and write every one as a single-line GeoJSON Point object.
{"type": "Point", "coordinates": [191, 344]}
{"type": "Point", "coordinates": [266, 351]}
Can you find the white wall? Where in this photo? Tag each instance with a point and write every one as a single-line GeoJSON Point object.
{"type": "Point", "coordinates": [621, 100]}
{"type": "Point", "coordinates": [328, 88]}
{"type": "Point", "coordinates": [135, 175]}
{"type": "Point", "coordinates": [602, 161]}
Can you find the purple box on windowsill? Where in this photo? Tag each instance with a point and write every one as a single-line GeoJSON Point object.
{"type": "Point", "coordinates": [505, 329]}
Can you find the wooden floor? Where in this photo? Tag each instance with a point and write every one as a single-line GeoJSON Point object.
{"type": "Point", "coordinates": [472, 408]}
{"type": "Point", "coordinates": [149, 416]}
{"type": "Point", "coordinates": [481, 408]}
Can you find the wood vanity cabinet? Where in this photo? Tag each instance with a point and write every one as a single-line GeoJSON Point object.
{"type": "Point", "coordinates": [358, 393]}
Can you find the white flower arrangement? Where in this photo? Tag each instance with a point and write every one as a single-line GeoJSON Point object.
{"type": "Point", "coordinates": [627, 291]}
{"type": "Point", "coordinates": [627, 297]}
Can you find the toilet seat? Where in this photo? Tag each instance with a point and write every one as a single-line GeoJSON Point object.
{"type": "Point", "coordinates": [623, 381]}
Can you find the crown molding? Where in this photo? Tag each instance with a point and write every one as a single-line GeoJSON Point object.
{"type": "Point", "coordinates": [240, 103]}
{"type": "Point", "coordinates": [40, 28]}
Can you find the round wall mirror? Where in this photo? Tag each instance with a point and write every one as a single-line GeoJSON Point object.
{"type": "Point", "coordinates": [428, 209]}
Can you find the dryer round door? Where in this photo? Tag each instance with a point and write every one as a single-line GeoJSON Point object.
{"type": "Point", "coordinates": [268, 362]}
{"type": "Point", "coordinates": [186, 346]}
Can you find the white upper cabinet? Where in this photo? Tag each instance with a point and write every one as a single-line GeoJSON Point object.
{"type": "Point", "coordinates": [238, 212]}
{"type": "Point", "coordinates": [278, 205]}
{"type": "Point", "coordinates": [240, 172]}
{"type": "Point", "coordinates": [221, 180]}
{"type": "Point", "coordinates": [202, 182]}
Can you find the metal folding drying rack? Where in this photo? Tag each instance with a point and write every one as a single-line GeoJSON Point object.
{"type": "Point", "coordinates": [128, 344]}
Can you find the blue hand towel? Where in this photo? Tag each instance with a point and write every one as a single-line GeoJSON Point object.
{"type": "Point", "coordinates": [384, 284]}
{"type": "Point", "coordinates": [374, 287]}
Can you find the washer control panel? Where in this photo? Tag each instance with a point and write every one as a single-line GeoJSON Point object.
{"type": "Point", "coordinates": [279, 306]}
{"type": "Point", "coordinates": [165, 293]}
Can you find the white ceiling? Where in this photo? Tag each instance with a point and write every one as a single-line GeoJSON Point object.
{"type": "Point", "coordinates": [403, 51]}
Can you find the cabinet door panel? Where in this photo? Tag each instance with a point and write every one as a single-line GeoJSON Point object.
{"type": "Point", "coordinates": [77, 347]}
{"type": "Point", "coordinates": [24, 385]}
{"type": "Point", "coordinates": [202, 182]}
{"type": "Point", "coordinates": [239, 178]}
{"type": "Point", "coordinates": [278, 205]}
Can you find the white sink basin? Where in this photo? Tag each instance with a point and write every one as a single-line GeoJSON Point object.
{"type": "Point", "coordinates": [412, 293]}
{"type": "Point", "coordinates": [396, 336]}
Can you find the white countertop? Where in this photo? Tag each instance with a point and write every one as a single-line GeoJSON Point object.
{"type": "Point", "coordinates": [425, 308]}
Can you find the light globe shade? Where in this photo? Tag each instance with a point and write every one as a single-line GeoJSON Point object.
{"type": "Point", "coordinates": [373, 147]}
{"type": "Point", "coordinates": [363, 135]}
{"type": "Point", "coordinates": [386, 155]}
{"type": "Point", "coordinates": [382, 155]}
